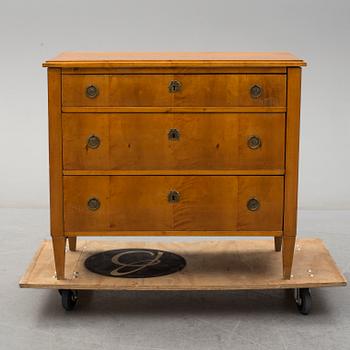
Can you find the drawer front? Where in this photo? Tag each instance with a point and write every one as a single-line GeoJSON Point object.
{"type": "Point", "coordinates": [157, 203]}
{"type": "Point", "coordinates": [222, 90]}
{"type": "Point", "coordinates": [206, 141]}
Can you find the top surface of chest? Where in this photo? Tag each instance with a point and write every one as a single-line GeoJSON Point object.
{"type": "Point", "coordinates": [172, 59]}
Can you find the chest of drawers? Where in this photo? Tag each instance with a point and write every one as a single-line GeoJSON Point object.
{"type": "Point", "coordinates": [174, 144]}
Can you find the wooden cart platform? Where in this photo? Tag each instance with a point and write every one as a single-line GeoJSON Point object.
{"type": "Point", "coordinates": [210, 265]}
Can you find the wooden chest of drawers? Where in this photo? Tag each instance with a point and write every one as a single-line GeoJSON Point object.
{"type": "Point", "coordinates": [174, 144]}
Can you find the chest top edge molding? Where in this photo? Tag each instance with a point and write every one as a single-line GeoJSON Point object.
{"type": "Point", "coordinates": [174, 59]}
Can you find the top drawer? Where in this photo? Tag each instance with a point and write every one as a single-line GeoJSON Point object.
{"type": "Point", "coordinates": [168, 90]}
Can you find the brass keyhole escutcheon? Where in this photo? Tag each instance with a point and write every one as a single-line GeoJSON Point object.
{"type": "Point", "coordinates": [255, 91]}
{"type": "Point", "coordinates": [173, 197]}
{"type": "Point", "coordinates": [93, 142]}
{"type": "Point", "coordinates": [254, 142]}
{"type": "Point", "coordinates": [174, 86]}
{"type": "Point", "coordinates": [93, 204]}
{"type": "Point", "coordinates": [253, 204]}
{"type": "Point", "coordinates": [92, 91]}
{"type": "Point", "coordinates": [173, 135]}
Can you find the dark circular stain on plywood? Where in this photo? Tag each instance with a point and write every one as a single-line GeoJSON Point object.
{"type": "Point", "coordinates": [135, 263]}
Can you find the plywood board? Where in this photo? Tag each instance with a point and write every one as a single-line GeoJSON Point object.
{"type": "Point", "coordinates": [211, 265]}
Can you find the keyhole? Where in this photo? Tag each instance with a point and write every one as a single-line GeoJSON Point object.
{"type": "Point", "coordinates": [173, 196]}
{"type": "Point", "coordinates": [173, 135]}
{"type": "Point", "coordinates": [174, 86]}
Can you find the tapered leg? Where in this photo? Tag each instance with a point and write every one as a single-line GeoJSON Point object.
{"type": "Point", "coordinates": [278, 244]}
{"type": "Point", "coordinates": [72, 243]}
{"type": "Point", "coordinates": [291, 170]}
{"type": "Point", "coordinates": [59, 251]}
{"type": "Point", "coordinates": [287, 256]}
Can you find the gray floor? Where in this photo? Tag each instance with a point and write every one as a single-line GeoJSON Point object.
{"type": "Point", "coordinates": [34, 319]}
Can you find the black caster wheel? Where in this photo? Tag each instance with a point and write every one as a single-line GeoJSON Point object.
{"type": "Point", "coordinates": [69, 298]}
{"type": "Point", "coordinates": [303, 300]}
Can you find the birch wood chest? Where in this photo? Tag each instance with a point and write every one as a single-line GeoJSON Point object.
{"type": "Point", "coordinates": [201, 144]}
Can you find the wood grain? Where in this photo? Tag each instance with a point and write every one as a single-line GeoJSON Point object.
{"type": "Point", "coordinates": [55, 151]}
{"type": "Point", "coordinates": [206, 90]}
{"type": "Point", "coordinates": [174, 233]}
{"type": "Point", "coordinates": [59, 253]}
{"type": "Point", "coordinates": [278, 243]}
{"type": "Point", "coordinates": [55, 161]}
{"type": "Point", "coordinates": [291, 175]}
{"type": "Point", "coordinates": [288, 247]}
{"type": "Point", "coordinates": [174, 59]}
{"type": "Point", "coordinates": [178, 70]}
{"type": "Point", "coordinates": [72, 243]}
{"type": "Point", "coordinates": [140, 203]}
{"type": "Point", "coordinates": [211, 265]}
{"type": "Point", "coordinates": [292, 151]}
{"type": "Point", "coordinates": [90, 109]}
{"type": "Point", "coordinates": [174, 172]}
{"type": "Point", "coordinates": [140, 141]}
{"type": "Point", "coordinates": [136, 165]}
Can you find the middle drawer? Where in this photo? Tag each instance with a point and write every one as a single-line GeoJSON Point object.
{"type": "Point", "coordinates": [146, 141]}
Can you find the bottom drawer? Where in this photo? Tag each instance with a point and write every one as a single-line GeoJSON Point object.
{"type": "Point", "coordinates": [166, 203]}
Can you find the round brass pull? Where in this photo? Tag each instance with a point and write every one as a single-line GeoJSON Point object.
{"type": "Point", "coordinates": [92, 91]}
{"type": "Point", "coordinates": [174, 135]}
{"type": "Point", "coordinates": [93, 204]}
{"type": "Point", "coordinates": [174, 86]}
{"type": "Point", "coordinates": [254, 142]}
{"type": "Point", "coordinates": [255, 91]}
{"type": "Point", "coordinates": [253, 204]}
{"type": "Point", "coordinates": [173, 196]}
{"type": "Point", "coordinates": [93, 142]}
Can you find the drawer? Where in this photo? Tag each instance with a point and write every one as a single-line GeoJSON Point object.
{"type": "Point", "coordinates": [139, 141]}
{"type": "Point", "coordinates": [166, 203]}
{"type": "Point", "coordinates": [209, 90]}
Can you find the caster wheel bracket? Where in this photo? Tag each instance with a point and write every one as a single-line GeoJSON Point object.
{"type": "Point", "coordinates": [302, 297]}
{"type": "Point", "coordinates": [69, 298]}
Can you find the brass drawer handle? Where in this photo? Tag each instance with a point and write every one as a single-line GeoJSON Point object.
{"type": "Point", "coordinates": [93, 142]}
{"type": "Point", "coordinates": [254, 142]}
{"type": "Point", "coordinates": [255, 91]}
{"type": "Point", "coordinates": [92, 91]}
{"type": "Point", "coordinates": [253, 204]}
{"type": "Point", "coordinates": [173, 197]}
{"type": "Point", "coordinates": [174, 135]}
{"type": "Point", "coordinates": [174, 86]}
{"type": "Point", "coordinates": [93, 204]}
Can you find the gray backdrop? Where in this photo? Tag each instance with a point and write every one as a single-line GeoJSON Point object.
{"type": "Point", "coordinates": [317, 31]}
